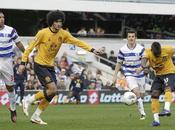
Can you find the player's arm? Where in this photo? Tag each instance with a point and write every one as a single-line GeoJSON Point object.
{"type": "Point", "coordinates": [25, 55]}
{"type": "Point", "coordinates": [144, 61]}
{"type": "Point", "coordinates": [20, 46]}
{"type": "Point", "coordinates": [72, 40]}
{"type": "Point", "coordinates": [173, 50]}
{"type": "Point", "coordinates": [120, 59]}
{"type": "Point", "coordinates": [145, 65]}
{"type": "Point", "coordinates": [17, 41]}
{"type": "Point", "coordinates": [28, 51]}
{"type": "Point", "coordinates": [117, 69]}
{"type": "Point", "coordinates": [31, 46]}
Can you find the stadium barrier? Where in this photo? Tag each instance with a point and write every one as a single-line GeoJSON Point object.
{"type": "Point", "coordinates": [86, 97]}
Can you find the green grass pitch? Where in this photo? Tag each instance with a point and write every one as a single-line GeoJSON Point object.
{"type": "Point", "coordinates": [87, 117]}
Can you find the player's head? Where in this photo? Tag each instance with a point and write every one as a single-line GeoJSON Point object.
{"type": "Point", "coordinates": [2, 19]}
{"type": "Point", "coordinates": [131, 36]}
{"type": "Point", "coordinates": [77, 75]}
{"type": "Point", "coordinates": [55, 18]}
{"type": "Point", "coordinates": [156, 49]}
{"type": "Point", "coordinates": [131, 31]}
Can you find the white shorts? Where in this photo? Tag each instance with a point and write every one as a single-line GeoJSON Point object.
{"type": "Point", "coordinates": [134, 82]}
{"type": "Point", "coordinates": [6, 71]}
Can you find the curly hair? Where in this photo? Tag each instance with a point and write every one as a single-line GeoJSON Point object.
{"type": "Point", "coordinates": [55, 15]}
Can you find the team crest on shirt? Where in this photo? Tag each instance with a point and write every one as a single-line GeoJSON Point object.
{"type": "Point", "coordinates": [47, 79]}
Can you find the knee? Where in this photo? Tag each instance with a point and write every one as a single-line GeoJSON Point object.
{"type": "Point", "coordinates": [50, 92]}
{"type": "Point", "coordinates": [168, 89]}
{"type": "Point", "coordinates": [155, 94]}
{"type": "Point", "coordinates": [51, 89]}
{"type": "Point", "coordinates": [137, 92]}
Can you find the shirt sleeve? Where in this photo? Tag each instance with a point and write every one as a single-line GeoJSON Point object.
{"type": "Point", "coordinates": [31, 46]}
{"type": "Point", "coordinates": [170, 50]}
{"type": "Point", "coordinates": [120, 57]}
{"type": "Point", "coordinates": [15, 36]}
{"type": "Point", "coordinates": [146, 53]}
{"type": "Point", "coordinates": [72, 40]}
{"type": "Point", "coordinates": [142, 52]}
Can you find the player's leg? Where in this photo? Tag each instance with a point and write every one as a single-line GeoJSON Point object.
{"type": "Point", "coordinates": [16, 88]}
{"type": "Point", "coordinates": [21, 91]}
{"type": "Point", "coordinates": [45, 78]}
{"type": "Point", "coordinates": [134, 87]}
{"type": "Point", "coordinates": [169, 87]}
{"type": "Point", "coordinates": [48, 80]}
{"type": "Point", "coordinates": [49, 94]}
{"type": "Point", "coordinates": [141, 82]}
{"type": "Point", "coordinates": [140, 105]}
{"type": "Point", "coordinates": [70, 95]}
{"type": "Point", "coordinates": [8, 78]}
{"type": "Point", "coordinates": [155, 105]}
{"type": "Point", "coordinates": [77, 97]}
{"type": "Point", "coordinates": [12, 100]}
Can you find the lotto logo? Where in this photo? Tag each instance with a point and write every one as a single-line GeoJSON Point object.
{"type": "Point", "coordinates": [93, 97]}
{"type": "Point", "coordinates": [4, 100]}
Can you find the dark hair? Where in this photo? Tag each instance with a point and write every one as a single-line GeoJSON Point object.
{"type": "Point", "coordinates": [55, 15]}
{"type": "Point", "coordinates": [111, 52]}
{"type": "Point", "coordinates": [131, 31]}
{"type": "Point", "coordinates": [156, 49]}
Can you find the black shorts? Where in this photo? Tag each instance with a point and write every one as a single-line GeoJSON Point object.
{"type": "Point", "coordinates": [162, 81]}
{"type": "Point", "coordinates": [45, 74]}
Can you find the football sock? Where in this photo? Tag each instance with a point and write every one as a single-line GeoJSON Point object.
{"type": "Point", "coordinates": [43, 104]}
{"type": "Point", "coordinates": [155, 106]}
{"type": "Point", "coordinates": [12, 100]}
{"type": "Point", "coordinates": [38, 111]}
{"type": "Point", "coordinates": [168, 99]}
{"type": "Point", "coordinates": [39, 95]}
{"type": "Point", "coordinates": [140, 106]}
{"type": "Point", "coordinates": [156, 117]}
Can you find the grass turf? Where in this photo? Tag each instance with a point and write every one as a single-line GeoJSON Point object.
{"type": "Point", "coordinates": [87, 117]}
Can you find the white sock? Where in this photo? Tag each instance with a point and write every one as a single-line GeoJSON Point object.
{"type": "Point", "coordinates": [140, 106]}
{"type": "Point", "coordinates": [12, 100]}
{"type": "Point", "coordinates": [167, 106]}
{"type": "Point", "coordinates": [156, 117]}
{"type": "Point", "coordinates": [38, 111]}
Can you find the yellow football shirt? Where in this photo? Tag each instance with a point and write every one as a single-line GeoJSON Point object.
{"type": "Point", "coordinates": [163, 64]}
{"type": "Point", "coordinates": [48, 45]}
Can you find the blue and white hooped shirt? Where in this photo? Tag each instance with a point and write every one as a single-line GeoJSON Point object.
{"type": "Point", "coordinates": [131, 59]}
{"type": "Point", "coordinates": [8, 36]}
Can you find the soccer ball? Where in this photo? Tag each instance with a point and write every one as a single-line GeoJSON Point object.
{"type": "Point", "coordinates": [129, 98]}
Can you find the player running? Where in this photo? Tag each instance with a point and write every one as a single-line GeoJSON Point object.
{"type": "Point", "coordinates": [8, 36]}
{"type": "Point", "coordinates": [48, 42]}
{"type": "Point", "coordinates": [129, 58]}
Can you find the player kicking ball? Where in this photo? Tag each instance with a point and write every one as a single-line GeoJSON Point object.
{"type": "Point", "coordinates": [160, 59]}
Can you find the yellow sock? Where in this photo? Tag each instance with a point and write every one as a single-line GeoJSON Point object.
{"type": "Point", "coordinates": [39, 95]}
{"type": "Point", "coordinates": [155, 105]}
{"type": "Point", "coordinates": [168, 95]}
{"type": "Point", "coordinates": [43, 104]}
